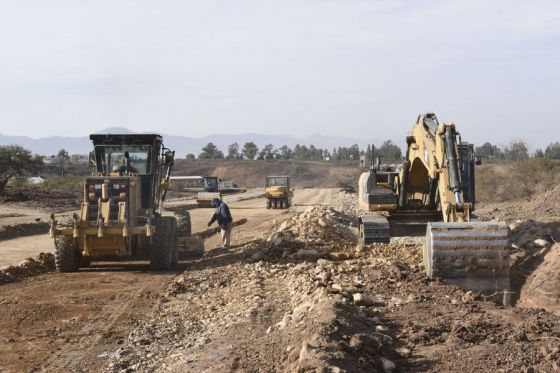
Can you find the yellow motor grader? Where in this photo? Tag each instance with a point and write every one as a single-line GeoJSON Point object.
{"type": "Point", "coordinates": [435, 185]}
{"type": "Point", "coordinates": [122, 205]}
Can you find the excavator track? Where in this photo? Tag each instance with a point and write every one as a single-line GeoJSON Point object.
{"type": "Point", "coordinates": [374, 228]}
{"type": "Point", "coordinates": [472, 255]}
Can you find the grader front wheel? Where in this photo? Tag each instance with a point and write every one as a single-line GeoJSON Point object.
{"type": "Point", "coordinates": [164, 245]}
{"type": "Point", "coordinates": [66, 256]}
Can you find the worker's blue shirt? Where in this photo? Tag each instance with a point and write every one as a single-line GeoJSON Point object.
{"type": "Point", "coordinates": [222, 215]}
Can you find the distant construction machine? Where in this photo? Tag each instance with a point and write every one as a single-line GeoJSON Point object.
{"type": "Point", "coordinates": [121, 212]}
{"type": "Point", "coordinates": [206, 188]}
{"type": "Point", "coordinates": [211, 191]}
{"type": "Point", "coordinates": [277, 192]}
{"type": "Point", "coordinates": [435, 185]}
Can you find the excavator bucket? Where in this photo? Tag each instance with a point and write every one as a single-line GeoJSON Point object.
{"type": "Point", "coordinates": [472, 255]}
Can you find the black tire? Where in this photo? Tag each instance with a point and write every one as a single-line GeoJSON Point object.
{"type": "Point", "coordinates": [275, 204]}
{"type": "Point", "coordinates": [174, 253]}
{"type": "Point", "coordinates": [286, 204]}
{"type": "Point", "coordinates": [163, 244]}
{"type": "Point", "coordinates": [281, 204]}
{"type": "Point", "coordinates": [187, 224]}
{"type": "Point", "coordinates": [66, 256]}
{"type": "Point", "coordinates": [85, 261]}
{"type": "Point", "coordinates": [268, 204]}
{"type": "Point", "coordinates": [184, 226]}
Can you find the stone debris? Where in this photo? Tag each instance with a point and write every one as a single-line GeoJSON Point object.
{"type": "Point", "coordinates": [43, 263]}
{"type": "Point", "coordinates": [304, 298]}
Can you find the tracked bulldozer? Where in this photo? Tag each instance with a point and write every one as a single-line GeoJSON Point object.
{"type": "Point", "coordinates": [121, 211]}
{"type": "Point", "coordinates": [435, 185]}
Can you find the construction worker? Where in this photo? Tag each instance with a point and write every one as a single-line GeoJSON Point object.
{"type": "Point", "coordinates": [224, 219]}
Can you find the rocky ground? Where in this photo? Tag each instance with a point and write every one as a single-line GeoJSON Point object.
{"type": "Point", "coordinates": [296, 293]}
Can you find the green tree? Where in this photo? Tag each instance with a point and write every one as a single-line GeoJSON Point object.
{"type": "Point", "coordinates": [267, 152]}
{"type": "Point", "coordinates": [489, 151]}
{"type": "Point", "coordinates": [190, 157]}
{"type": "Point", "coordinates": [233, 151]}
{"type": "Point", "coordinates": [516, 151]}
{"type": "Point", "coordinates": [17, 161]}
{"type": "Point", "coordinates": [63, 153]}
{"type": "Point", "coordinates": [539, 153]}
{"type": "Point", "coordinates": [552, 151]}
{"type": "Point", "coordinates": [285, 152]}
{"type": "Point", "coordinates": [250, 150]}
{"type": "Point", "coordinates": [388, 151]}
{"type": "Point", "coordinates": [300, 152]}
{"type": "Point", "coordinates": [210, 151]}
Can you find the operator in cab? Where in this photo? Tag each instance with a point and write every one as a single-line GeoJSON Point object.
{"type": "Point", "coordinates": [223, 216]}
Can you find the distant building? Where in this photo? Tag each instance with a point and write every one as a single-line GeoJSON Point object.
{"type": "Point", "coordinates": [35, 180]}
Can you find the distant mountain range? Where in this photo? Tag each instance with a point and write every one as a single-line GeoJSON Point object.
{"type": "Point", "coordinates": [182, 144]}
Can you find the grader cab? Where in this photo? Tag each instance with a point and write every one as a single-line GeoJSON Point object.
{"type": "Point", "coordinates": [121, 209]}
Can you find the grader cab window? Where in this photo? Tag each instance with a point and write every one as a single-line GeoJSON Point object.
{"type": "Point", "coordinates": [110, 156]}
{"type": "Point", "coordinates": [276, 181]}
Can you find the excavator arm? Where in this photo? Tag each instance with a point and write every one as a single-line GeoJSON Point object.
{"type": "Point", "coordinates": [473, 255]}
{"type": "Point", "coordinates": [433, 170]}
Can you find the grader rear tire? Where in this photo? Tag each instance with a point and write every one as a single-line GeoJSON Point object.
{"type": "Point", "coordinates": [164, 244]}
{"type": "Point", "coordinates": [184, 225]}
{"type": "Point", "coordinates": [174, 253]}
{"type": "Point", "coordinates": [66, 256]}
{"type": "Point", "coordinates": [268, 204]}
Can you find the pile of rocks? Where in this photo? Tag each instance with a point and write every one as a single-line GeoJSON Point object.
{"type": "Point", "coordinates": [317, 232]}
{"type": "Point", "coordinates": [336, 324]}
{"type": "Point", "coordinates": [44, 262]}
{"type": "Point", "coordinates": [347, 203]}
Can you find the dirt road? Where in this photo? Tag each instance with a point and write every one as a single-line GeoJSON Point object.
{"type": "Point", "coordinates": [63, 322]}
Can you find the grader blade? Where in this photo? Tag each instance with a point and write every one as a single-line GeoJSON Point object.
{"type": "Point", "coordinates": [473, 256]}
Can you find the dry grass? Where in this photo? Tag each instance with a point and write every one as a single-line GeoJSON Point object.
{"type": "Point", "coordinates": [253, 173]}
{"type": "Point", "coordinates": [499, 182]}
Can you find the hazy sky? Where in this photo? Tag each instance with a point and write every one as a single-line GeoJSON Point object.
{"type": "Point", "coordinates": [361, 68]}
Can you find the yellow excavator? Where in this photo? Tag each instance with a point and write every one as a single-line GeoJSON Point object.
{"type": "Point", "coordinates": [435, 185]}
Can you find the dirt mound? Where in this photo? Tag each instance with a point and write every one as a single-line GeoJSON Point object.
{"type": "Point", "coordinates": [542, 288]}
{"type": "Point", "coordinates": [530, 242]}
{"type": "Point", "coordinates": [317, 232]}
{"type": "Point", "coordinates": [43, 263]}
{"type": "Point", "coordinates": [544, 206]}
{"type": "Point", "coordinates": [37, 197]}
{"type": "Point", "coordinates": [19, 230]}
